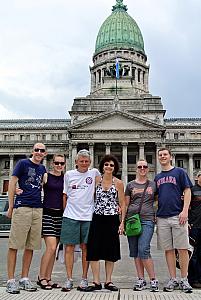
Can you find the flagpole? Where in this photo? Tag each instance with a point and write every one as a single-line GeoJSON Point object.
{"type": "Point", "coordinates": [117, 71]}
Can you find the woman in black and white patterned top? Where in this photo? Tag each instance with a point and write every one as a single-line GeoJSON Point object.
{"type": "Point", "coordinates": [103, 240]}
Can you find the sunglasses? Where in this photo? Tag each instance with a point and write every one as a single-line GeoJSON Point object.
{"type": "Point", "coordinates": [107, 165]}
{"type": "Point", "coordinates": [39, 150]}
{"type": "Point", "coordinates": [62, 163]}
{"type": "Point", "coordinates": [142, 167]}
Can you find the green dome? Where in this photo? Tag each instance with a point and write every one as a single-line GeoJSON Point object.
{"type": "Point", "coordinates": [119, 31]}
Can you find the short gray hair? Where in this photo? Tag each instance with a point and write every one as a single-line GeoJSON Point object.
{"type": "Point", "coordinates": [83, 152]}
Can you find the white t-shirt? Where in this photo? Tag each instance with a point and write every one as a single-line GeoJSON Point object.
{"type": "Point", "coordinates": [79, 188]}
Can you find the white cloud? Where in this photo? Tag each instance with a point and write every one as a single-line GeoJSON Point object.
{"type": "Point", "coordinates": [46, 47]}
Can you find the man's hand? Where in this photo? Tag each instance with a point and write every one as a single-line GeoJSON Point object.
{"type": "Point", "coordinates": [9, 213]}
{"type": "Point", "coordinates": [18, 191]}
{"type": "Point", "coordinates": [183, 217]}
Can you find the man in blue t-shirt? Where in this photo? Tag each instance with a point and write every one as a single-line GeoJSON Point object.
{"type": "Point", "coordinates": [26, 214]}
{"type": "Point", "coordinates": [174, 196]}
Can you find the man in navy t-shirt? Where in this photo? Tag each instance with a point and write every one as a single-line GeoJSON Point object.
{"type": "Point", "coordinates": [26, 214]}
{"type": "Point", "coordinates": [174, 195]}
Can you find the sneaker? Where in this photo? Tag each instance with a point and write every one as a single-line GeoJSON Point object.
{"type": "Point", "coordinates": [171, 285]}
{"type": "Point", "coordinates": [68, 286]}
{"type": "Point", "coordinates": [140, 285]}
{"type": "Point", "coordinates": [185, 286]}
{"type": "Point", "coordinates": [12, 287]}
{"type": "Point", "coordinates": [27, 285]}
{"type": "Point", "coordinates": [154, 285]}
{"type": "Point", "coordinates": [83, 285]}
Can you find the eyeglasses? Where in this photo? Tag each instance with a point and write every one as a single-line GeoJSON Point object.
{"type": "Point", "coordinates": [39, 150]}
{"type": "Point", "coordinates": [62, 163]}
{"type": "Point", "coordinates": [142, 167]}
{"type": "Point", "coordinates": [107, 165]}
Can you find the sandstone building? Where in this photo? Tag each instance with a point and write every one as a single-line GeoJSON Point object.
{"type": "Point", "coordinates": [120, 116]}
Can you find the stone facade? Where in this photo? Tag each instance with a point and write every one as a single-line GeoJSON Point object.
{"type": "Point", "coordinates": [119, 116]}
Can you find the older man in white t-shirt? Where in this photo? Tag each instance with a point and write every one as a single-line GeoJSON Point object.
{"type": "Point", "coordinates": [79, 186]}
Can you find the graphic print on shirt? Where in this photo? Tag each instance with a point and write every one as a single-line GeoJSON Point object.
{"type": "Point", "coordinates": [166, 179]}
{"type": "Point", "coordinates": [89, 180]}
{"type": "Point", "coordinates": [33, 180]}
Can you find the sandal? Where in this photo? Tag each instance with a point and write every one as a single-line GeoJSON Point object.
{"type": "Point", "coordinates": [43, 286]}
{"type": "Point", "coordinates": [111, 287]}
{"type": "Point", "coordinates": [53, 285]}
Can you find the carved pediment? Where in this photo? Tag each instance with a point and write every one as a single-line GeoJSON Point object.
{"type": "Point", "coordinates": [115, 120]}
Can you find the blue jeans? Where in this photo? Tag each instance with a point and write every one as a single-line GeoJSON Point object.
{"type": "Point", "coordinates": [139, 246]}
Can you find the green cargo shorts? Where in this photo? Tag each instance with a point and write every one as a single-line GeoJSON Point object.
{"type": "Point", "coordinates": [74, 232]}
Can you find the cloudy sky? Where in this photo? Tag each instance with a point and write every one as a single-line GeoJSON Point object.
{"type": "Point", "coordinates": [46, 47]}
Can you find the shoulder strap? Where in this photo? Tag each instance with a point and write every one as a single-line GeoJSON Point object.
{"type": "Point", "coordinates": [143, 195]}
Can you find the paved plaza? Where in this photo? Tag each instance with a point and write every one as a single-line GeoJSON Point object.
{"type": "Point", "coordinates": [124, 276]}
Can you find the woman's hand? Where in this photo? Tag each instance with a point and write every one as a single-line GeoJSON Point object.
{"type": "Point", "coordinates": [121, 228]}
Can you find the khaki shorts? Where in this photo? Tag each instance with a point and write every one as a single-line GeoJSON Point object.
{"type": "Point", "coordinates": [26, 225]}
{"type": "Point", "coordinates": [171, 234]}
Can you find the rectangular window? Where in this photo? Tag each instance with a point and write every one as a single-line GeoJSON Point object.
{"type": "Point", "coordinates": [180, 163]}
{"type": "Point", "coordinates": [197, 163]}
{"type": "Point", "coordinates": [176, 136]}
{"type": "Point", "coordinates": [131, 159]}
{"type": "Point", "coordinates": [149, 159]}
{"type": "Point", "coordinates": [7, 164]}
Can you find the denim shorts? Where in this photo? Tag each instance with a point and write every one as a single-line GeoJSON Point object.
{"type": "Point", "coordinates": [139, 246]}
{"type": "Point", "coordinates": [74, 232]}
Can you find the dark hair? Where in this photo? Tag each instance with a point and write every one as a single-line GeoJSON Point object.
{"type": "Point", "coordinates": [108, 158]}
{"type": "Point", "coordinates": [165, 148]}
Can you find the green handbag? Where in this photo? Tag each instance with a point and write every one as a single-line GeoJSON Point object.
{"type": "Point", "coordinates": [133, 226]}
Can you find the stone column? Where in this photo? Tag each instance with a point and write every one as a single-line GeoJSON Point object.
{"type": "Point", "coordinates": [69, 162]}
{"type": "Point", "coordinates": [107, 147]}
{"type": "Point", "coordinates": [158, 166]}
{"type": "Point", "coordinates": [74, 153]}
{"type": "Point", "coordinates": [124, 175]}
{"type": "Point", "coordinates": [91, 150]}
{"type": "Point", "coordinates": [190, 166]}
{"type": "Point", "coordinates": [141, 150]}
{"type": "Point", "coordinates": [45, 161]}
{"type": "Point", "coordinates": [173, 159]}
{"type": "Point", "coordinates": [11, 164]}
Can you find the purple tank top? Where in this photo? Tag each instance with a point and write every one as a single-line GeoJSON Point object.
{"type": "Point", "coordinates": [53, 192]}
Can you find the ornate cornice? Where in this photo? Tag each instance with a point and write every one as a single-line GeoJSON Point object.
{"type": "Point", "coordinates": [30, 124]}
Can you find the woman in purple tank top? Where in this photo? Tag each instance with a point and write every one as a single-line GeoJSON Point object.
{"type": "Point", "coordinates": [52, 220]}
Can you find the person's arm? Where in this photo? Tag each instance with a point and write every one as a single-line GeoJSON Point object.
{"type": "Point", "coordinates": [122, 202]}
{"type": "Point", "coordinates": [11, 194]}
{"type": "Point", "coordinates": [183, 216]}
{"type": "Point", "coordinates": [64, 200]}
{"type": "Point", "coordinates": [45, 178]}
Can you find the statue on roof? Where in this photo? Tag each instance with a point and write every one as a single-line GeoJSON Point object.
{"type": "Point", "coordinates": [119, 5]}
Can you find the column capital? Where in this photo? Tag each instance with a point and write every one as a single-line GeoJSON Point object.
{"type": "Point", "coordinates": [158, 145]}
{"type": "Point", "coordinates": [108, 143]}
{"type": "Point", "coordinates": [91, 144]}
{"type": "Point", "coordinates": [74, 144]}
{"type": "Point", "coordinates": [141, 144]}
{"type": "Point", "coordinates": [124, 143]}
{"type": "Point", "coordinates": [11, 156]}
{"type": "Point", "coordinates": [190, 155]}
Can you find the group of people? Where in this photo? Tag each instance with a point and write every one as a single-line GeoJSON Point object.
{"type": "Point", "coordinates": [88, 207]}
